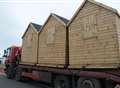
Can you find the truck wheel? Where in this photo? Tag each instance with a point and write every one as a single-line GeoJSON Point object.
{"type": "Point", "coordinates": [88, 83]}
{"type": "Point", "coordinates": [18, 76]}
{"type": "Point", "coordinates": [61, 82]}
{"type": "Point", "coordinates": [10, 72]}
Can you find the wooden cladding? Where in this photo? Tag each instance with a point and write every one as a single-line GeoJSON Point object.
{"type": "Point", "coordinates": [50, 36]}
{"type": "Point", "coordinates": [29, 47]}
{"type": "Point", "coordinates": [90, 40]}
{"type": "Point", "coordinates": [52, 44]}
{"type": "Point", "coordinates": [29, 40]}
{"type": "Point", "coordinates": [93, 38]}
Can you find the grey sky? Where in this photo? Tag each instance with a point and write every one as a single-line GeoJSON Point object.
{"type": "Point", "coordinates": [15, 15]}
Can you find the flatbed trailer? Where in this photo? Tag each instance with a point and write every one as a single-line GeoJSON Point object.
{"type": "Point", "coordinates": [102, 78]}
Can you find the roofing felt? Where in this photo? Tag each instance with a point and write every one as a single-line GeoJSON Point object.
{"type": "Point", "coordinates": [61, 18]}
{"type": "Point", "coordinates": [36, 26]}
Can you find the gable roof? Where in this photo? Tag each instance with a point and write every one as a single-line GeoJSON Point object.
{"type": "Point", "coordinates": [35, 27]}
{"type": "Point", "coordinates": [63, 20]}
{"type": "Point", "coordinates": [96, 3]}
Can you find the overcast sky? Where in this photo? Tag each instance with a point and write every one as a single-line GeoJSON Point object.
{"type": "Point", "coordinates": [15, 15]}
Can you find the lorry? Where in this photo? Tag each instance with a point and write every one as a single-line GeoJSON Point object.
{"type": "Point", "coordinates": [60, 78]}
{"type": "Point", "coordinates": [73, 54]}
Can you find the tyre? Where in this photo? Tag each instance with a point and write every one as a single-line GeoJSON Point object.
{"type": "Point", "coordinates": [61, 82]}
{"type": "Point", "coordinates": [10, 72]}
{"type": "Point", "coordinates": [88, 83]}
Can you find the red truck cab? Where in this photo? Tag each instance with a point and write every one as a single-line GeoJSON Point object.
{"type": "Point", "coordinates": [11, 55]}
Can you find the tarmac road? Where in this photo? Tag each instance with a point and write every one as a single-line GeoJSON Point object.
{"type": "Point", "coordinates": [8, 83]}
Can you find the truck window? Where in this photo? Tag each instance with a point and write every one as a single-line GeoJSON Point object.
{"type": "Point", "coordinates": [8, 52]}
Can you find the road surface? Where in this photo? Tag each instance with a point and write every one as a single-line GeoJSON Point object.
{"type": "Point", "coordinates": [7, 83]}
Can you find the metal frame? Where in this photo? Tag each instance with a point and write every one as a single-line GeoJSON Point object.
{"type": "Point", "coordinates": [110, 74]}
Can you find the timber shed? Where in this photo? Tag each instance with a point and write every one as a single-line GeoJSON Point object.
{"type": "Point", "coordinates": [94, 36]}
{"type": "Point", "coordinates": [52, 42]}
{"type": "Point", "coordinates": [30, 44]}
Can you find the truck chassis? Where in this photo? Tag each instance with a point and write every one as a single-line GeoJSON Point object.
{"type": "Point", "coordinates": [72, 78]}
